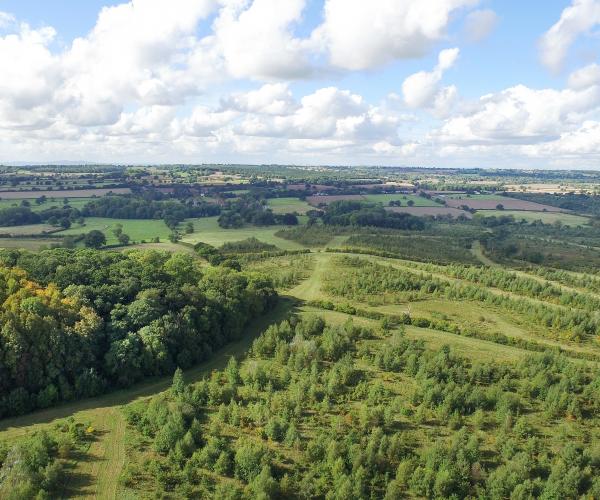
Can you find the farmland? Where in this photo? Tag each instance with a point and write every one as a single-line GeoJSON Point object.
{"type": "Point", "coordinates": [287, 205]}
{"type": "Point", "coordinates": [432, 211]}
{"type": "Point", "coordinates": [491, 203]}
{"type": "Point", "coordinates": [207, 230]}
{"type": "Point", "coordinates": [545, 217]}
{"type": "Point", "coordinates": [137, 230]}
{"type": "Point", "coordinates": [60, 194]}
{"type": "Point", "coordinates": [367, 338]}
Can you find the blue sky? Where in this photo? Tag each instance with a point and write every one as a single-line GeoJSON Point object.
{"type": "Point", "coordinates": [303, 81]}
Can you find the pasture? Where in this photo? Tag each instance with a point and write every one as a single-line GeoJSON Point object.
{"type": "Point", "coordinates": [60, 194]}
{"type": "Point", "coordinates": [28, 230]}
{"type": "Point", "coordinates": [137, 229]}
{"type": "Point", "coordinates": [418, 201]}
{"type": "Point", "coordinates": [431, 211]}
{"type": "Point", "coordinates": [491, 202]}
{"type": "Point", "coordinates": [545, 217]}
{"type": "Point", "coordinates": [207, 230]}
{"type": "Point", "coordinates": [289, 205]}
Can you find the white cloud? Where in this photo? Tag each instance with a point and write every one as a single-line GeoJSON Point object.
{"type": "Point", "coordinates": [480, 23]}
{"type": "Point", "coordinates": [6, 19]}
{"type": "Point", "coordinates": [270, 99]}
{"type": "Point", "coordinates": [359, 34]}
{"type": "Point", "coordinates": [256, 42]}
{"type": "Point", "coordinates": [422, 89]}
{"type": "Point", "coordinates": [578, 18]}
{"type": "Point", "coordinates": [520, 115]}
{"type": "Point", "coordinates": [585, 77]}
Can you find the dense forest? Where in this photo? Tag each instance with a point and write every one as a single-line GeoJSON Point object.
{"type": "Point", "coordinates": [78, 322]}
{"type": "Point", "coordinates": [321, 411]}
{"type": "Point", "coordinates": [252, 209]}
{"type": "Point", "coordinates": [132, 207]}
{"type": "Point", "coordinates": [355, 213]}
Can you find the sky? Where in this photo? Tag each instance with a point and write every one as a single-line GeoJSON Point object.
{"type": "Point", "coordinates": [435, 83]}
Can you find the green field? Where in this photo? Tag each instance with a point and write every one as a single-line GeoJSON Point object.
{"type": "Point", "coordinates": [207, 230]}
{"type": "Point", "coordinates": [51, 202]}
{"type": "Point", "coordinates": [545, 217]}
{"type": "Point", "coordinates": [28, 229]}
{"type": "Point", "coordinates": [289, 205]}
{"type": "Point", "coordinates": [418, 201]}
{"type": "Point", "coordinates": [475, 196]}
{"type": "Point", "coordinates": [27, 243]}
{"type": "Point", "coordinates": [137, 229]}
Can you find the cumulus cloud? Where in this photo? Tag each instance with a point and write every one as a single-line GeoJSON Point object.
{"type": "Point", "coordinates": [580, 17]}
{"type": "Point", "coordinates": [480, 23]}
{"type": "Point", "coordinates": [359, 35]}
{"type": "Point", "coordinates": [585, 77]}
{"type": "Point", "coordinates": [271, 99]}
{"type": "Point", "coordinates": [520, 115]}
{"type": "Point", "coordinates": [422, 89]}
{"type": "Point", "coordinates": [256, 42]}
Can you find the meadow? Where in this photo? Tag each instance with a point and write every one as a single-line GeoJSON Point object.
{"type": "Point", "coordinates": [207, 230]}
{"type": "Point", "coordinates": [545, 217]}
{"type": "Point", "coordinates": [137, 229]}
{"type": "Point", "coordinates": [289, 205]}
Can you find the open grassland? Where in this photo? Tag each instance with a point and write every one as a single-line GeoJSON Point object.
{"type": "Point", "coordinates": [64, 193]}
{"type": "Point", "coordinates": [50, 202]}
{"type": "Point", "coordinates": [431, 211]}
{"type": "Point", "coordinates": [28, 229]}
{"type": "Point", "coordinates": [137, 229]}
{"type": "Point", "coordinates": [545, 217]}
{"type": "Point", "coordinates": [491, 202]}
{"type": "Point", "coordinates": [27, 243]}
{"type": "Point", "coordinates": [289, 205]}
{"type": "Point", "coordinates": [419, 201]}
{"type": "Point", "coordinates": [207, 230]}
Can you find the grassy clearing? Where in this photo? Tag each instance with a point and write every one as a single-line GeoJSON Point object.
{"type": "Point", "coordinates": [418, 201]}
{"type": "Point", "coordinates": [33, 244]}
{"type": "Point", "coordinates": [545, 217]}
{"type": "Point", "coordinates": [207, 230]}
{"type": "Point", "coordinates": [51, 202]}
{"type": "Point", "coordinates": [28, 230]}
{"type": "Point", "coordinates": [289, 205]}
{"type": "Point", "coordinates": [137, 229]}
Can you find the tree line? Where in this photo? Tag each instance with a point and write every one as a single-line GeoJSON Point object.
{"type": "Point", "coordinates": [79, 322]}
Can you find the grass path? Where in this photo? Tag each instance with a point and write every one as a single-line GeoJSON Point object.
{"type": "Point", "coordinates": [96, 474]}
{"type": "Point", "coordinates": [310, 288]}
{"type": "Point", "coordinates": [477, 251]}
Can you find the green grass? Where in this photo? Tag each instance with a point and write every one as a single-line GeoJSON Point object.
{"type": "Point", "coordinates": [418, 201]}
{"type": "Point", "coordinates": [545, 217]}
{"type": "Point", "coordinates": [51, 202]}
{"type": "Point", "coordinates": [33, 244]}
{"type": "Point", "coordinates": [137, 229]}
{"type": "Point", "coordinates": [476, 197]}
{"type": "Point", "coordinates": [207, 230]}
{"type": "Point", "coordinates": [289, 205]}
{"type": "Point", "coordinates": [28, 229]}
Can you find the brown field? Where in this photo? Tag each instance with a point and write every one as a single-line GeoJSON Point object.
{"type": "Point", "coordinates": [28, 230]}
{"type": "Point", "coordinates": [33, 244]}
{"type": "Point", "coordinates": [433, 211]}
{"type": "Point", "coordinates": [326, 200]}
{"type": "Point", "coordinates": [507, 203]}
{"type": "Point", "coordinates": [66, 193]}
{"type": "Point", "coordinates": [548, 188]}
